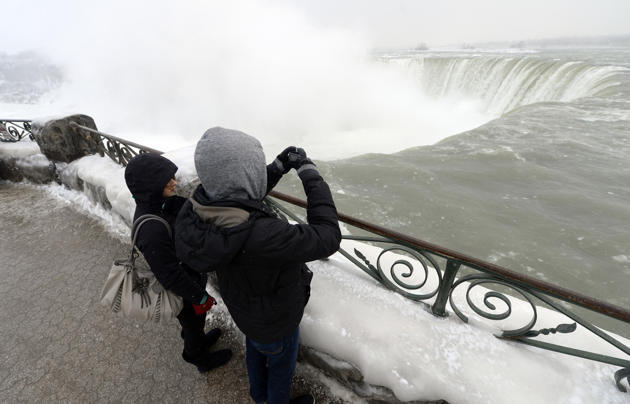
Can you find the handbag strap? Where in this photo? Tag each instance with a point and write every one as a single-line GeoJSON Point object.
{"type": "Point", "coordinates": [135, 228]}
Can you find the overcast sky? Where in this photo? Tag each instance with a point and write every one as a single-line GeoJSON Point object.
{"type": "Point", "coordinates": [400, 22]}
{"type": "Point", "coordinates": [383, 23]}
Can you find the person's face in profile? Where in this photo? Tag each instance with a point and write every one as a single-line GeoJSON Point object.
{"type": "Point", "coordinates": [169, 189]}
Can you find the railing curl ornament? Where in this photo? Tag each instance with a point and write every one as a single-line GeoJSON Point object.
{"type": "Point", "coordinates": [398, 275]}
{"type": "Point", "coordinates": [117, 149]}
{"type": "Point", "coordinates": [476, 280]}
{"type": "Point", "coordinates": [619, 376]}
{"type": "Point", "coordinates": [15, 130]}
{"type": "Point", "coordinates": [525, 331]}
{"type": "Point", "coordinates": [119, 152]}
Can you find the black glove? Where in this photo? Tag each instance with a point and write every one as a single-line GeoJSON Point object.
{"type": "Point", "coordinates": [290, 158]}
{"type": "Point", "coordinates": [301, 163]}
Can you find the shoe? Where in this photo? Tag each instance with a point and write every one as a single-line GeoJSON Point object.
{"type": "Point", "coordinates": [304, 399]}
{"type": "Point", "coordinates": [210, 338]}
{"type": "Point", "coordinates": [207, 361]}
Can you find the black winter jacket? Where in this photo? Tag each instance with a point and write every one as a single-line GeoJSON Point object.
{"type": "Point", "coordinates": [259, 258]}
{"type": "Point", "coordinates": [146, 176]}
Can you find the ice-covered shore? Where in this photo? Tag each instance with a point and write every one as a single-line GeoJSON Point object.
{"type": "Point", "coordinates": [396, 342]}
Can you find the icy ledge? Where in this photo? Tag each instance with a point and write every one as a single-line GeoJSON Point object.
{"type": "Point", "coordinates": [353, 323]}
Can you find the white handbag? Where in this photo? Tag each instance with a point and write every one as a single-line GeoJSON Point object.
{"type": "Point", "coordinates": [133, 291]}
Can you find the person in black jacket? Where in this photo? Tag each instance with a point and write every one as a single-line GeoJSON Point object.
{"type": "Point", "coordinates": [151, 180]}
{"type": "Point", "coordinates": [259, 258]}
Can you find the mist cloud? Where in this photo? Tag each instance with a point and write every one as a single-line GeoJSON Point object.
{"type": "Point", "coordinates": [261, 67]}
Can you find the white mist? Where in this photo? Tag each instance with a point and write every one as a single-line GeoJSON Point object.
{"type": "Point", "coordinates": [161, 74]}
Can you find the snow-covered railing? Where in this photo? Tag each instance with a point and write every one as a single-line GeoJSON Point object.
{"type": "Point", "coordinates": [443, 272]}
{"type": "Point", "coordinates": [14, 130]}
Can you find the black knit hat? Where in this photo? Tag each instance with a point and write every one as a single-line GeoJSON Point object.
{"type": "Point", "coordinates": [146, 176]}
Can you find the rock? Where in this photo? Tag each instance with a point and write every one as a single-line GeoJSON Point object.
{"type": "Point", "coordinates": [349, 376]}
{"type": "Point", "coordinates": [36, 168]}
{"type": "Point", "coordinates": [59, 141]}
{"type": "Point", "coordinates": [23, 160]}
{"type": "Point", "coordinates": [342, 371]}
{"type": "Point", "coordinates": [9, 170]}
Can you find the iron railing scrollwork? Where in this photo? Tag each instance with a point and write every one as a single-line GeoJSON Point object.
{"type": "Point", "coordinates": [117, 149]}
{"type": "Point", "coordinates": [14, 130]}
{"type": "Point", "coordinates": [526, 334]}
{"type": "Point", "coordinates": [525, 289]}
{"type": "Point", "coordinates": [619, 376]}
{"type": "Point", "coordinates": [395, 279]}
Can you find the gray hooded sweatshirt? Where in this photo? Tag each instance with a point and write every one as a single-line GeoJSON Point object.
{"type": "Point", "coordinates": [231, 165]}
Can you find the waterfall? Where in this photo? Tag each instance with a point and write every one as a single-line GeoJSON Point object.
{"type": "Point", "coordinates": [503, 83]}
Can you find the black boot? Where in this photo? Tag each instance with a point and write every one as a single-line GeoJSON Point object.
{"type": "Point", "coordinates": [210, 338]}
{"type": "Point", "coordinates": [206, 361]}
{"type": "Point", "coordinates": [303, 399]}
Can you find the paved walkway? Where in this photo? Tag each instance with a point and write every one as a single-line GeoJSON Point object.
{"type": "Point", "coordinates": [58, 344]}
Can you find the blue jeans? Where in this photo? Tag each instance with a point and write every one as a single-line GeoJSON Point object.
{"type": "Point", "coordinates": [270, 368]}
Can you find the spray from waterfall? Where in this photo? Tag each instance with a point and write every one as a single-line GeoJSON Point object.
{"type": "Point", "coordinates": [265, 69]}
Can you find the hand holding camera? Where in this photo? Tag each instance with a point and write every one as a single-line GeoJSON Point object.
{"type": "Point", "coordinates": [293, 157]}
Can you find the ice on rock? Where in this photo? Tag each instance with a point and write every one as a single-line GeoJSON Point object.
{"type": "Point", "coordinates": [18, 150]}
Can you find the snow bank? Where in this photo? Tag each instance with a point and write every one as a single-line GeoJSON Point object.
{"type": "Point", "coordinates": [103, 172]}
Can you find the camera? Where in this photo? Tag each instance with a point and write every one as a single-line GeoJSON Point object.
{"type": "Point", "coordinates": [294, 157]}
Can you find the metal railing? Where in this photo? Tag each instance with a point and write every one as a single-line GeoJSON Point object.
{"type": "Point", "coordinates": [446, 281]}
{"type": "Point", "coordinates": [528, 288]}
{"type": "Point", "coordinates": [14, 130]}
{"type": "Point", "coordinates": [119, 150]}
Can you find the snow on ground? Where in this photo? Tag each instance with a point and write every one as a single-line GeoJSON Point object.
{"type": "Point", "coordinates": [396, 342]}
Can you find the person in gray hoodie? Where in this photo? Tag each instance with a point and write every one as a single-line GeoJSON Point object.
{"type": "Point", "coordinates": [259, 258]}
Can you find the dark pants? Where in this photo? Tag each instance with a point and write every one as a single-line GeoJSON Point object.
{"type": "Point", "coordinates": [270, 368]}
{"type": "Point", "coordinates": [192, 329]}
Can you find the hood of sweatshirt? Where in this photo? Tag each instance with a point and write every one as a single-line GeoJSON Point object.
{"type": "Point", "coordinates": [231, 165]}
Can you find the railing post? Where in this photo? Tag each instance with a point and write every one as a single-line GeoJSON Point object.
{"type": "Point", "coordinates": [439, 307]}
